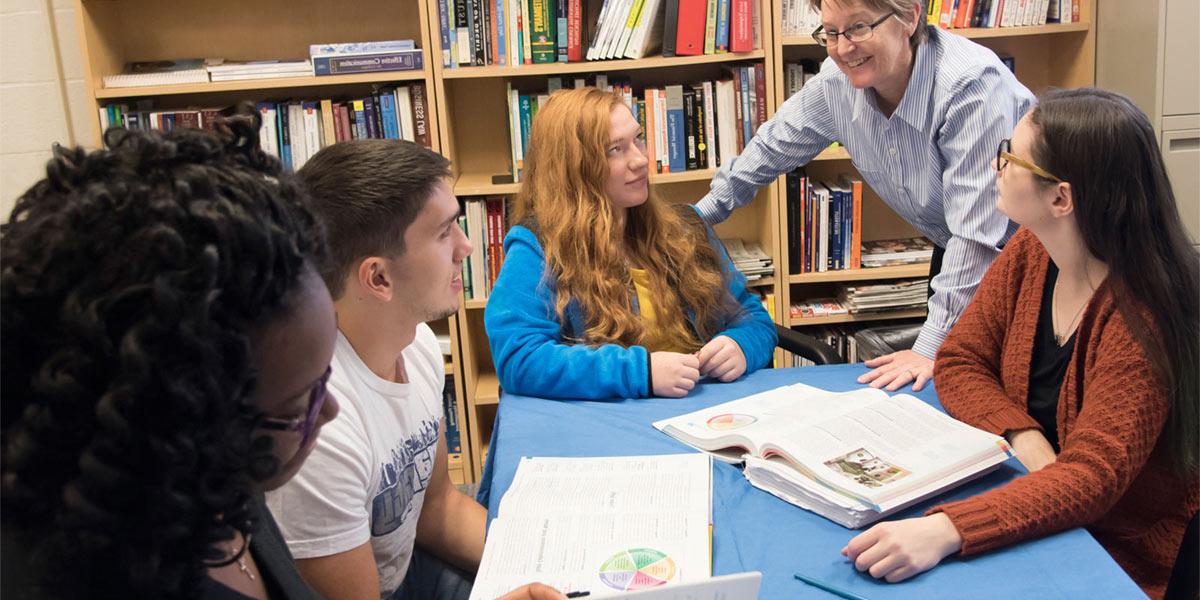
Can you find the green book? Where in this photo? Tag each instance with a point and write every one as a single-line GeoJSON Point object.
{"type": "Point", "coordinates": [543, 41]}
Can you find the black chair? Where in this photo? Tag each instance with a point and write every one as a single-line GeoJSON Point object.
{"type": "Point", "coordinates": [807, 346]}
{"type": "Point", "coordinates": [874, 342]}
{"type": "Point", "coordinates": [1185, 577]}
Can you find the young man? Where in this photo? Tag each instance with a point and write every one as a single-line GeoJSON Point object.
{"type": "Point", "coordinates": [377, 481]}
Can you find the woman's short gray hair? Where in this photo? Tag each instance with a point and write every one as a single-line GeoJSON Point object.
{"type": "Point", "coordinates": [897, 7]}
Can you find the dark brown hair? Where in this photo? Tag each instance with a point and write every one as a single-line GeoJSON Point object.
{"type": "Point", "coordinates": [368, 192]}
{"type": "Point", "coordinates": [1104, 146]}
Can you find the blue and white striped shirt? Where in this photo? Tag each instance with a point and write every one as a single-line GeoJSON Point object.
{"type": "Point", "coordinates": [930, 161]}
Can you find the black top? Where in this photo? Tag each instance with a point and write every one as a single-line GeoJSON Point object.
{"type": "Point", "coordinates": [274, 562]}
{"type": "Point", "coordinates": [1049, 365]}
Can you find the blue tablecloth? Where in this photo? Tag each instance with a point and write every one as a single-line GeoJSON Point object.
{"type": "Point", "coordinates": [756, 531]}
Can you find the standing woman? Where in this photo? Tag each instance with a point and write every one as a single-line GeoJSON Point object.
{"type": "Point", "coordinates": [1080, 348]}
{"type": "Point", "coordinates": [607, 291]}
{"type": "Point", "coordinates": [920, 110]}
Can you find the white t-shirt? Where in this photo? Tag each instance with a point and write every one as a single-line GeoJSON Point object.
{"type": "Point", "coordinates": [367, 476]}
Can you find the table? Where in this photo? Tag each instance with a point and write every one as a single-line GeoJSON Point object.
{"type": "Point", "coordinates": [756, 531]}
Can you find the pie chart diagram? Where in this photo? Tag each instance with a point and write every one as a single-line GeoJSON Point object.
{"type": "Point", "coordinates": [637, 569]}
{"type": "Point", "coordinates": [730, 421]}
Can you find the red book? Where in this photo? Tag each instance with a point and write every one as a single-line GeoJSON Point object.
{"type": "Point", "coordinates": [689, 36]}
{"type": "Point", "coordinates": [574, 30]}
{"type": "Point", "coordinates": [420, 111]}
{"type": "Point", "coordinates": [1074, 10]}
{"type": "Point", "coordinates": [739, 110]}
{"type": "Point", "coordinates": [962, 15]}
{"type": "Point", "coordinates": [760, 92]}
{"type": "Point", "coordinates": [494, 41]}
{"type": "Point", "coordinates": [945, 19]}
{"type": "Point", "coordinates": [741, 23]}
{"type": "Point", "coordinates": [344, 121]}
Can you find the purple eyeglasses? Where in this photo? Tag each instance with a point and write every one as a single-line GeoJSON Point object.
{"type": "Point", "coordinates": [316, 399]}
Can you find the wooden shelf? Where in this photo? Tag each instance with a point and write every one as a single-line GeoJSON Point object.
{"type": "Point", "coordinates": [895, 272]}
{"type": "Point", "coordinates": [974, 32]}
{"type": "Point", "coordinates": [862, 317]}
{"type": "Point", "coordinates": [487, 389]}
{"type": "Point", "coordinates": [475, 304]}
{"type": "Point", "coordinates": [764, 282]}
{"type": "Point", "coordinates": [598, 66]}
{"type": "Point", "coordinates": [474, 184]}
{"type": "Point", "coordinates": [257, 84]}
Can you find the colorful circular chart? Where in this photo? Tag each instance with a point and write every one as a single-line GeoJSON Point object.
{"type": "Point", "coordinates": [636, 569]}
{"type": "Point", "coordinates": [731, 421]}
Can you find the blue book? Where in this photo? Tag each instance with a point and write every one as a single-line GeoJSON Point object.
{"type": "Point", "coordinates": [676, 130]}
{"type": "Point", "coordinates": [747, 108]}
{"type": "Point", "coordinates": [444, 23]}
{"type": "Point", "coordinates": [360, 119]}
{"type": "Point", "coordinates": [526, 120]}
{"type": "Point", "coordinates": [285, 137]}
{"type": "Point", "coordinates": [387, 109]}
{"type": "Point", "coordinates": [835, 229]}
{"type": "Point", "coordinates": [342, 64]}
{"type": "Point", "coordinates": [501, 50]}
{"type": "Point", "coordinates": [561, 30]}
{"type": "Point", "coordinates": [723, 26]}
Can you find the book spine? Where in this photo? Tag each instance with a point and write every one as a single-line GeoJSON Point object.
{"type": "Point", "coordinates": [690, 32]}
{"type": "Point", "coordinates": [444, 21]}
{"type": "Point", "coordinates": [664, 152]}
{"type": "Point", "coordinates": [360, 47]}
{"type": "Point", "coordinates": [462, 30]}
{"type": "Point", "coordinates": [675, 129]}
{"type": "Point", "coordinates": [856, 224]}
{"type": "Point", "coordinates": [760, 95]}
{"type": "Point", "coordinates": [420, 109]}
{"type": "Point", "coordinates": [741, 20]}
{"type": "Point", "coordinates": [312, 129]}
{"type": "Point", "coordinates": [651, 138]}
{"type": "Point", "coordinates": [328, 131]}
{"type": "Point", "coordinates": [478, 32]}
{"type": "Point", "coordinates": [710, 128]}
{"type": "Point", "coordinates": [670, 27]}
{"type": "Point", "coordinates": [526, 118]}
{"type": "Point", "coordinates": [738, 110]}
{"type": "Point", "coordinates": [574, 30]}
{"type": "Point", "coordinates": [542, 39]}
{"type": "Point", "coordinates": [408, 60]}
{"type": "Point", "coordinates": [371, 122]}
{"type": "Point", "coordinates": [748, 113]}
{"type": "Point", "coordinates": [689, 129]}
{"type": "Point", "coordinates": [285, 137]}
{"type": "Point", "coordinates": [387, 109]}
{"type": "Point", "coordinates": [722, 42]}
{"type": "Point", "coordinates": [561, 29]}
{"type": "Point", "coordinates": [360, 120]}
{"type": "Point", "coordinates": [500, 10]}
{"type": "Point", "coordinates": [526, 40]}
{"type": "Point", "coordinates": [710, 27]}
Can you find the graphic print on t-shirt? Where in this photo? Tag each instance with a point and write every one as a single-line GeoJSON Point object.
{"type": "Point", "coordinates": [403, 478]}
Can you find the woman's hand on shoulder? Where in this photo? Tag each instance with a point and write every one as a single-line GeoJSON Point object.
{"type": "Point", "coordinates": [673, 374]}
{"type": "Point", "coordinates": [722, 359]}
{"type": "Point", "coordinates": [897, 550]}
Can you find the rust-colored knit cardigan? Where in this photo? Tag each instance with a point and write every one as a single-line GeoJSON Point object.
{"type": "Point", "coordinates": [1114, 474]}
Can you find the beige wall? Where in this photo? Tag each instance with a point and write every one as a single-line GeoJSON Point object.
{"type": "Point", "coordinates": [42, 94]}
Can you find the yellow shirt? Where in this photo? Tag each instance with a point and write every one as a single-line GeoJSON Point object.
{"type": "Point", "coordinates": [656, 340]}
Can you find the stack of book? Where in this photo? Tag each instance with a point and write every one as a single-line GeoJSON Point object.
{"type": "Point", "coordinates": [523, 32]}
{"type": "Point", "coordinates": [892, 296]}
{"type": "Point", "coordinates": [906, 251]}
{"type": "Point", "coordinates": [688, 126]}
{"type": "Point", "coordinates": [749, 259]}
{"type": "Point", "coordinates": [796, 74]}
{"type": "Point", "coordinates": [161, 72]}
{"type": "Point", "coordinates": [366, 57]}
{"type": "Point", "coordinates": [825, 222]}
{"type": "Point", "coordinates": [232, 70]}
{"type": "Point", "coordinates": [485, 221]}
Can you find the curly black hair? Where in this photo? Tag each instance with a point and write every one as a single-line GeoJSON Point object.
{"type": "Point", "coordinates": [133, 280]}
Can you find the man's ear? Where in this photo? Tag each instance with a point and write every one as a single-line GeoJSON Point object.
{"type": "Point", "coordinates": [373, 278]}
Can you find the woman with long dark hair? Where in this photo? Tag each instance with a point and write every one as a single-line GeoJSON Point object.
{"type": "Point", "coordinates": [165, 351]}
{"type": "Point", "coordinates": [1081, 348]}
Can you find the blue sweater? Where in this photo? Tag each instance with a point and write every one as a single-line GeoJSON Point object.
{"type": "Point", "coordinates": [529, 343]}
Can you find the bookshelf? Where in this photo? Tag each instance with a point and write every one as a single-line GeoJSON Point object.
{"type": "Point", "coordinates": [1046, 55]}
{"type": "Point", "coordinates": [114, 32]}
{"type": "Point", "coordinates": [469, 123]}
{"type": "Point", "coordinates": [473, 125]}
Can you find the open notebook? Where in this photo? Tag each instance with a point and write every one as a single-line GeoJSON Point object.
{"type": "Point", "coordinates": [852, 457]}
{"type": "Point", "coordinates": [607, 526]}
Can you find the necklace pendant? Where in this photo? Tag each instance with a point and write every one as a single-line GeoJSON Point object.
{"type": "Point", "coordinates": [245, 569]}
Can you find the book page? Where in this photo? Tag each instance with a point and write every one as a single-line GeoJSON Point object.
{"type": "Point", "coordinates": [607, 526]}
{"type": "Point", "coordinates": [884, 449]}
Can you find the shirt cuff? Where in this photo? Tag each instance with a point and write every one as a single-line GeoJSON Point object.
{"type": "Point", "coordinates": [930, 340]}
{"type": "Point", "coordinates": [710, 210]}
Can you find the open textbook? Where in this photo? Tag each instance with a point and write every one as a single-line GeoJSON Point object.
{"type": "Point", "coordinates": [607, 526]}
{"type": "Point", "coordinates": [852, 457]}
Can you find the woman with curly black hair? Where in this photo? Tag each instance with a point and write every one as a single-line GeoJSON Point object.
{"type": "Point", "coordinates": [165, 351]}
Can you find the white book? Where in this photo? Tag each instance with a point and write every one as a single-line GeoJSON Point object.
{"type": "Point", "coordinates": [312, 130]}
{"type": "Point", "coordinates": [660, 121]}
{"type": "Point", "coordinates": [647, 38]}
{"type": "Point", "coordinates": [821, 193]}
{"type": "Point", "coordinates": [852, 457]}
{"type": "Point", "coordinates": [514, 131]}
{"type": "Point", "coordinates": [404, 112]}
{"type": "Point", "coordinates": [608, 526]}
{"type": "Point", "coordinates": [710, 146]}
{"type": "Point", "coordinates": [296, 135]}
{"type": "Point", "coordinates": [618, 49]}
{"type": "Point", "coordinates": [611, 27]}
{"type": "Point", "coordinates": [726, 121]}
{"type": "Point", "coordinates": [477, 232]}
{"type": "Point", "coordinates": [514, 38]}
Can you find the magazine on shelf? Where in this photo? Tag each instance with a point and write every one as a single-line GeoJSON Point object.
{"type": "Point", "coordinates": [907, 251]}
{"type": "Point", "coordinates": [851, 457]}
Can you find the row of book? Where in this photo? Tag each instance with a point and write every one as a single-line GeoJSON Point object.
{"type": "Point", "coordinates": [801, 19]}
{"type": "Point", "coordinates": [485, 221]}
{"type": "Point", "coordinates": [687, 127]}
{"type": "Point", "coordinates": [294, 130]}
{"type": "Point", "coordinates": [324, 59]}
{"type": "Point", "coordinates": [825, 223]}
{"type": "Point", "coordinates": [522, 32]}
{"type": "Point", "coordinates": [749, 259]}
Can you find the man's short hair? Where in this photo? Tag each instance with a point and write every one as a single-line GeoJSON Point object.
{"type": "Point", "coordinates": [368, 192]}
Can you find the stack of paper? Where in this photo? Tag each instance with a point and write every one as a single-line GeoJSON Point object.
{"type": "Point", "coordinates": [882, 253]}
{"type": "Point", "coordinates": [852, 457]}
{"type": "Point", "coordinates": [607, 526]}
{"type": "Point", "coordinates": [161, 72]}
{"type": "Point", "coordinates": [231, 70]}
{"type": "Point", "coordinates": [897, 295]}
{"type": "Point", "coordinates": [749, 259]}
